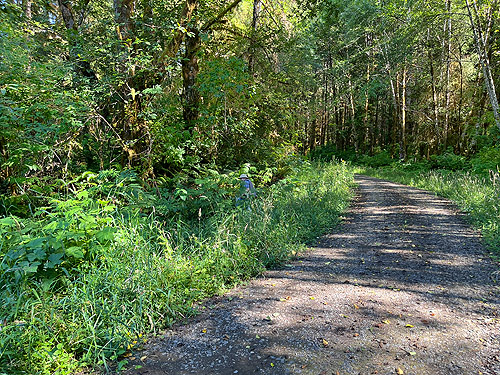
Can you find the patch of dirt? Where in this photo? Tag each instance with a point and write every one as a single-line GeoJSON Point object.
{"type": "Point", "coordinates": [403, 286]}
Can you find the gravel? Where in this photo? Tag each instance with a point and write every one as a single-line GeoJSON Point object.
{"type": "Point", "coordinates": [403, 286]}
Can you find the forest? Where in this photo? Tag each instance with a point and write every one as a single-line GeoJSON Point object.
{"type": "Point", "coordinates": [124, 125]}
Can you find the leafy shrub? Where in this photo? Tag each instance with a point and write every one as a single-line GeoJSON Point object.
{"type": "Point", "coordinates": [421, 165]}
{"type": "Point", "coordinates": [330, 152]}
{"type": "Point", "coordinates": [449, 160]}
{"type": "Point", "coordinates": [135, 267]}
{"type": "Point", "coordinates": [488, 159]}
{"type": "Point", "coordinates": [380, 159]}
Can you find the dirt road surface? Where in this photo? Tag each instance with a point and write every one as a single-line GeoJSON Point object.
{"type": "Point", "coordinates": [403, 286]}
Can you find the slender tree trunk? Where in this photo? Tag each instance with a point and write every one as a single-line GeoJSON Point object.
{"type": "Point", "coordinates": [173, 46]}
{"type": "Point", "coordinates": [402, 148]}
{"type": "Point", "coordinates": [354, 133]}
{"type": "Point", "coordinates": [378, 136]}
{"type": "Point", "coordinates": [28, 11]}
{"type": "Point", "coordinates": [437, 133]}
{"type": "Point", "coordinates": [365, 117]}
{"type": "Point", "coordinates": [368, 141]}
{"type": "Point", "coordinates": [190, 70]}
{"type": "Point", "coordinates": [124, 10]}
{"type": "Point", "coordinates": [257, 8]}
{"type": "Point", "coordinates": [448, 30]}
{"type": "Point", "coordinates": [461, 95]}
{"type": "Point", "coordinates": [481, 46]}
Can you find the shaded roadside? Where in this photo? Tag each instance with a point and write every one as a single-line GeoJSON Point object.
{"type": "Point", "coordinates": [402, 286]}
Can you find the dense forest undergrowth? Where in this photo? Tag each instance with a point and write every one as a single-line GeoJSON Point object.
{"type": "Point", "coordinates": [124, 125]}
{"type": "Point", "coordinates": [98, 267]}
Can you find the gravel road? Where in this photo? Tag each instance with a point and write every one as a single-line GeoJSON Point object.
{"type": "Point", "coordinates": [403, 286]}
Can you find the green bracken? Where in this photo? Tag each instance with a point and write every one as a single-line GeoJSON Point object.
{"type": "Point", "coordinates": [97, 269]}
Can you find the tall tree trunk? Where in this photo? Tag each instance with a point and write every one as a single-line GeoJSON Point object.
{"type": "Point", "coordinates": [124, 10]}
{"type": "Point", "coordinates": [174, 44]}
{"type": "Point", "coordinates": [447, 27]}
{"type": "Point", "coordinates": [402, 148]}
{"type": "Point", "coordinates": [257, 8]}
{"type": "Point", "coordinates": [354, 133]}
{"type": "Point", "coordinates": [437, 132]}
{"type": "Point", "coordinates": [394, 82]}
{"type": "Point", "coordinates": [28, 11]}
{"type": "Point", "coordinates": [82, 66]}
{"type": "Point", "coordinates": [190, 69]}
{"type": "Point", "coordinates": [368, 130]}
{"type": "Point", "coordinates": [481, 43]}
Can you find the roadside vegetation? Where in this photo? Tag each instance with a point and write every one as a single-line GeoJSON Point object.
{"type": "Point", "coordinates": [104, 260]}
{"type": "Point", "coordinates": [124, 125]}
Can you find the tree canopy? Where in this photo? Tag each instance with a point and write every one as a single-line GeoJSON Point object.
{"type": "Point", "coordinates": [170, 86]}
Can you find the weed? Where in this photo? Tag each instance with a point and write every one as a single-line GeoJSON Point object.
{"type": "Point", "coordinates": [107, 262]}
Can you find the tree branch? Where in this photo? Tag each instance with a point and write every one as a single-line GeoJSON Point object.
{"type": "Point", "coordinates": [210, 23]}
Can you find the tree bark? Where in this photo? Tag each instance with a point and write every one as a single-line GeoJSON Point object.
{"type": "Point", "coordinates": [28, 9]}
{"type": "Point", "coordinates": [402, 149]}
{"type": "Point", "coordinates": [190, 69]}
{"type": "Point", "coordinates": [82, 66]}
{"type": "Point", "coordinates": [257, 8]}
{"type": "Point", "coordinates": [447, 27]}
{"type": "Point", "coordinates": [124, 10]}
{"type": "Point", "coordinates": [437, 132]}
{"type": "Point", "coordinates": [481, 45]}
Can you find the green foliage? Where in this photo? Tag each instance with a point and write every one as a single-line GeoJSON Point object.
{"type": "Point", "coordinates": [486, 160]}
{"type": "Point", "coordinates": [383, 158]}
{"type": "Point", "coordinates": [107, 261]}
{"type": "Point", "coordinates": [449, 160]}
{"type": "Point", "coordinates": [330, 152]}
{"type": "Point", "coordinates": [40, 111]}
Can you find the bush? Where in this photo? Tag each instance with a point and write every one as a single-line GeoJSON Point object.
{"type": "Point", "coordinates": [105, 264]}
{"type": "Point", "coordinates": [380, 159]}
{"type": "Point", "coordinates": [330, 152]}
{"type": "Point", "coordinates": [488, 159]}
{"type": "Point", "coordinates": [449, 161]}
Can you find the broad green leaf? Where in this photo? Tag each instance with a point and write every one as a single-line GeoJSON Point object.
{"type": "Point", "coordinates": [75, 252]}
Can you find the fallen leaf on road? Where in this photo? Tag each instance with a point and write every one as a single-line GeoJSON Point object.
{"type": "Point", "coordinates": [409, 326]}
{"type": "Point", "coordinates": [387, 321]}
{"type": "Point", "coordinates": [325, 343]}
{"type": "Point", "coordinates": [399, 371]}
{"type": "Point", "coordinates": [356, 306]}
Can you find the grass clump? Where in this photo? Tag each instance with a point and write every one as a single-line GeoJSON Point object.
{"type": "Point", "coordinates": [106, 261]}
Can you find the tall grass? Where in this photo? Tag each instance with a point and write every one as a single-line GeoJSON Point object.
{"type": "Point", "coordinates": [477, 195]}
{"type": "Point", "coordinates": [147, 269]}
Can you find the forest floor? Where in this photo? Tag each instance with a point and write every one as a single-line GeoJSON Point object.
{"type": "Point", "coordinates": [403, 286]}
